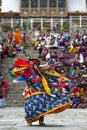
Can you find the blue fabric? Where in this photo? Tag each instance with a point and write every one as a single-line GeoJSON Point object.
{"type": "Point", "coordinates": [2, 103]}
{"type": "Point", "coordinates": [75, 100]}
{"type": "Point", "coordinates": [37, 86]}
{"type": "Point", "coordinates": [21, 79]}
{"type": "Point", "coordinates": [39, 104]}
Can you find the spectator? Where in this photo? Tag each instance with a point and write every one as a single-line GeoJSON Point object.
{"type": "Point", "coordinates": [82, 92]}
{"type": "Point", "coordinates": [17, 37]}
{"type": "Point", "coordinates": [78, 35]}
{"type": "Point", "coordinates": [44, 52]}
{"type": "Point", "coordinates": [54, 55]}
{"type": "Point", "coordinates": [5, 85]}
{"type": "Point", "coordinates": [75, 101]}
{"type": "Point", "coordinates": [74, 49]}
{"type": "Point", "coordinates": [79, 58]}
{"type": "Point", "coordinates": [75, 91]}
{"type": "Point", "coordinates": [1, 52]}
{"type": "Point", "coordinates": [24, 38]}
{"type": "Point", "coordinates": [2, 93]}
{"type": "Point", "coordinates": [10, 36]}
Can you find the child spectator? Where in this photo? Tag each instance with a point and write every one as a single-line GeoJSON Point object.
{"type": "Point", "coordinates": [24, 37]}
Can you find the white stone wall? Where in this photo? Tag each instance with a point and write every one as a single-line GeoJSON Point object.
{"type": "Point", "coordinates": [10, 5]}
{"type": "Point", "coordinates": [77, 5]}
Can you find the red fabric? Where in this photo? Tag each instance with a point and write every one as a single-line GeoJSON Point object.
{"type": "Point", "coordinates": [75, 91]}
{"type": "Point", "coordinates": [27, 73]}
{"type": "Point", "coordinates": [2, 92]}
{"type": "Point", "coordinates": [74, 76]}
{"type": "Point", "coordinates": [5, 83]}
{"type": "Point", "coordinates": [29, 91]}
{"type": "Point", "coordinates": [60, 85]}
{"type": "Point", "coordinates": [34, 62]}
{"type": "Point", "coordinates": [5, 50]}
{"type": "Point", "coordinates": [24, 37]}
{"type": "Point", "coordinates": [20, 62]}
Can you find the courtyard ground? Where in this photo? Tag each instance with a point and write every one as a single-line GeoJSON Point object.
{"type": "Point", "coordinates": [12, 118]}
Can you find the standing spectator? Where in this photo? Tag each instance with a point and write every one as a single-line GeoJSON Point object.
{"type": "Point", "coordinates": [5, 85]}
{"type": "Point", "coordinates": [24, 37]}
{"type": "Point", "coordinates": [17, 37]}
{"type": "Point", "coordinates": [10, 36]}
{"type": "Point", "coordinates": [2, 89]}
{"type": "Point", "coordinates": [2, 93]}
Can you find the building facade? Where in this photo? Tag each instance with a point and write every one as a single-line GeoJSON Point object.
{"type": "Point", "coordinates": [43, 8]}
{"type": "Point", "coordinates": [44, 12]}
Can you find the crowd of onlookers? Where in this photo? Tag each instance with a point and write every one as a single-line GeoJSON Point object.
{"type": "Point", "coordinates": [67, 54]}
{"type": "Point", "coordinates": [9, 47]}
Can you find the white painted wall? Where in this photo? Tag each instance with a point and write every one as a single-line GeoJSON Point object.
{"type": "Point", "coordinates": [73, 5]}
{"type": "Point", "coordinates": [10, 5]}
{"type": "Point", "coordinates": [77, 5]}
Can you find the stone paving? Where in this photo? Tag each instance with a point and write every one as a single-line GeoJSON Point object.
{"type": "Point", "coordinates": [12, 118]}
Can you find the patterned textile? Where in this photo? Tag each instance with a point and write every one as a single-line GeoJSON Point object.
{"type": "Point", "coordinates": [38, 105]}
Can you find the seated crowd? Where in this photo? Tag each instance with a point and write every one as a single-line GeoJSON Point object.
{"type": "Point", "coordinates": [68, 57]}
{"type": "Point", "coordinates": [9, 47]}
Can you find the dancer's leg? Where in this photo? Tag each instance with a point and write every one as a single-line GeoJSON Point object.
{"type": "Point", "coordinates": [41, 121]}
